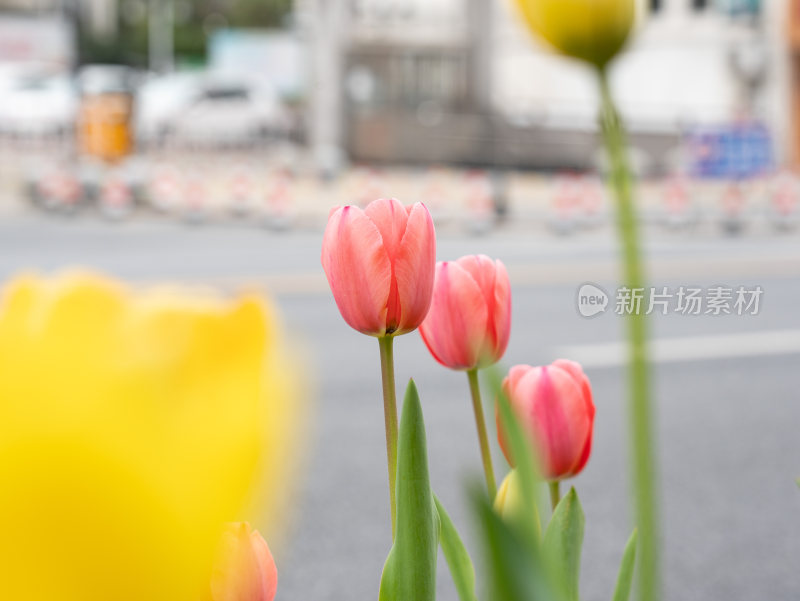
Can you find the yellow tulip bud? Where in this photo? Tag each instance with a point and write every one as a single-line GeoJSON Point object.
{"type": "Point", "coordinates": [508, 501]}
{"type": "Point", "coordinates": [133, 427]}
{"type": "Point", "coordinates": [590, 30]}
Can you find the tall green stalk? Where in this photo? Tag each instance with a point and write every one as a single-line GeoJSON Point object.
{"type": "Point", "coordinates": [483, 438]}
{"type": "Point", "coordinates": [642, 454]}
{"type": "Point", "coordinates": [555, 493]}
{"type": "Point", "coordinates": [390, 418]}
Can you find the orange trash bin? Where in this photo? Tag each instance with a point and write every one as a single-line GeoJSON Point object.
{"type": "Point", "coordinates": [105, 129]}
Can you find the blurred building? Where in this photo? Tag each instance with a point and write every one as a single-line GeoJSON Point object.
{"type": "Point", "coordinates": [693, 64]}
{"type": "Point", "coordinates": [462, 81]}
{"type": "Point", "coordinates": [101, 17]}
{"type": "Point", "coordinates": [415, 81]}
{"type": "Point", "coordinates": [47, 41]}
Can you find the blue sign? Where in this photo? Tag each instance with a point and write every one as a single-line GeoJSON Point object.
{"type": "Point", "coordinates": [733, 151]}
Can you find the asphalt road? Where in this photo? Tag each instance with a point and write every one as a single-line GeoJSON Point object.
{"type": "Point", "coordinates": [726, 387]}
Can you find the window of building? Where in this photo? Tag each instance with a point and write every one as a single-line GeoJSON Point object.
{"type": "Point", "coordinates": [740, 7]}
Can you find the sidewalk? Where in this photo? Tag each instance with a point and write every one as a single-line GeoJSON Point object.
{"type": "Point", "coordinates": [272, 190]}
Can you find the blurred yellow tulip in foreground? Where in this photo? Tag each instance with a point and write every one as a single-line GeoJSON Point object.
{"type": "Point", "coordinates": [133, 426]}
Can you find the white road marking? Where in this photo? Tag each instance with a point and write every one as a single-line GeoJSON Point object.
{"type": "Point", "coordinates": [690, 348]}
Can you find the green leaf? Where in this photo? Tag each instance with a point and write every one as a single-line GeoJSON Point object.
{"type": "Point", "coordinates": [625, 577]}
{"type": "Point", "coordinates": [410, 569]}
{"type": "Point", "coordinates": [515, 565]}
{"type": "Point", "coordinates": [458, 560]}
{"type": "Point", "coordinates": [562, 543]}
{"type": "Point", "coordinates": [524, 459]}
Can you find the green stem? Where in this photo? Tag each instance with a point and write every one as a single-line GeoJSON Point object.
{"type": "Point", "coordinates": [483, 438]}
{"type": "Point", "coordinates": [640, 418]}
{"type": "Point", "coordinates": [555, 493]}
{"type": "Point", "coordinates": [390, 417]}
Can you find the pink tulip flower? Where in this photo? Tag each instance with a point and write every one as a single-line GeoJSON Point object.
{"type": "Point", "coordinates": [380, 264]}
{"type": "Point", "coordinates": [554, 405]}
{"type": "Point", "coordinates": [469, 322]}
{"type": "Point", "coordinates": [245, 570]}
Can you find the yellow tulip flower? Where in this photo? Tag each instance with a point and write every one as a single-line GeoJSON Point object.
{"type": "Point", "coordinates": [133, 426]}
{"type": "Point", "coordinates": [508, 502]}
{"type": "Point", "coordinates": [590, 30]}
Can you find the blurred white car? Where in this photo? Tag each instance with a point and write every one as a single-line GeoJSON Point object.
{"type": "Point", "coordinates": [36, 103]}
{"type": "Point", "coordinates": [106, 79]}
{"type": "Point", "coordinates": [160, 100]}
{"type": "Point", "coordinates": [208, 109]}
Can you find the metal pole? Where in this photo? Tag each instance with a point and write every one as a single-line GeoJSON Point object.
{"type": "Point", "coordinates": [328, 27]}
{"type": "Point", "coordinates": [160, 23]}
{"type": "Point", "coordinates": [480, 18]}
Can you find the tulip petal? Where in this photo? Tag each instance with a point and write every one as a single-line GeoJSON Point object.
{"type": "Point", "coordinates": [562, 420]}
{"type": "Point", "coordinates": [391, 218]}
{"type": "Point", "coordinates": [552, 404]}
{"type": "Point", "coordinates": [583, 458]}
{"type": "Point", "coordinates": [454, 329]}
{"type": "Point", "coordinates": [548, 420]}
{"type": "Point", "coordinates": [358, 269]}
{"type": "Point", "coordinates": [235, 576]}
{"type": "Point", "coordinates": [575, 370]}
{"type": "Point", "coordinates": [414, 266]}
{"type": "Point", "coordinates": [266, 564]}
{"type": "Point", "coordinates": [515, 375]}
{"type": "Point", "coordinates": [492, 278]}
{"type": "Point", "coordinates": [482, 269]}
{"type": "Point", "coordinates": [556, 409]}
{"type": "Point", "coordinates": [501, 313]}
{"type": "Point", "coordinates": [510, 383]}
{"type": "Point", "coordinates": [245, 569]}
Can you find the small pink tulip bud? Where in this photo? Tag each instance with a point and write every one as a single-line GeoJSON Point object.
{"type": "Point", "coordinates": [245, 570]}
{"type": "Point", "coordinates": [554, 405]}
{"type": "Point", "coordinates": [469, 322]}
{"type": "Point", "coordinates": [379, 263]}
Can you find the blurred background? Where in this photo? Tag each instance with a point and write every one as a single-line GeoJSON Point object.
{"type": "Point", "coordinates": [206, 141]}
{"type": "Point", "coordinates": [204, 109]}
